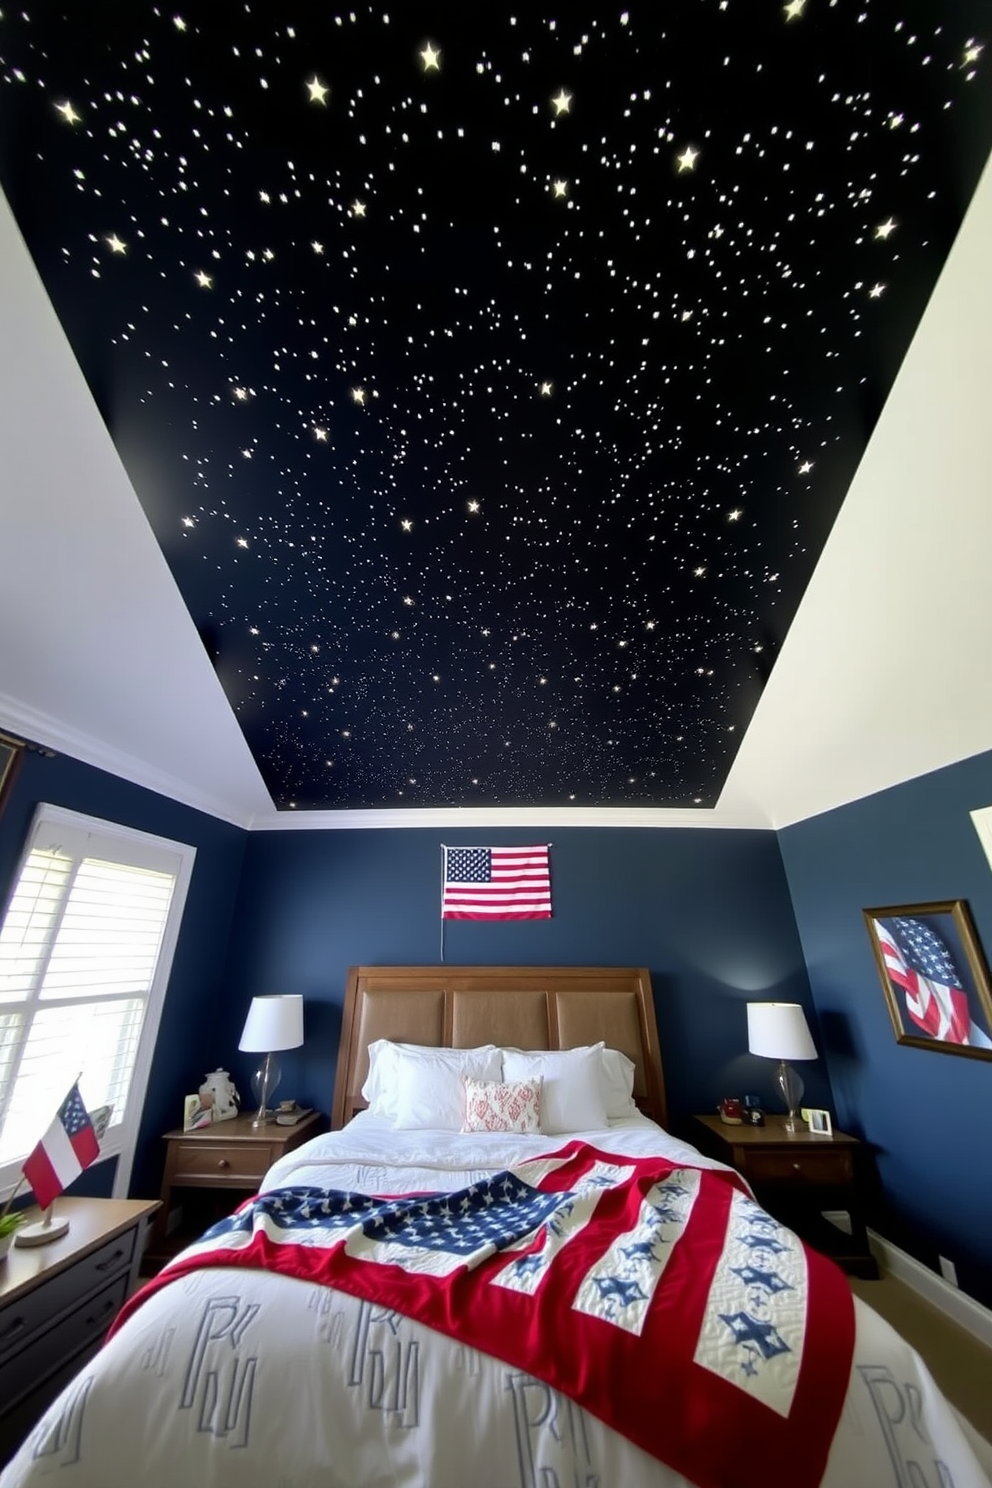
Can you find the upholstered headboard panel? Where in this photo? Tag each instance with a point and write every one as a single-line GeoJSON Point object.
{"type": "Point", "coordinates": [523, 1007]}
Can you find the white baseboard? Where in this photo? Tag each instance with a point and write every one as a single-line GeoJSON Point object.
{"type": "Point", "coordinates": [955, 1304]}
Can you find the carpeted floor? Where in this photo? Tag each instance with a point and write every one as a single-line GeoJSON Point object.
{"type": "Point", "coordinates": [961, 1366]}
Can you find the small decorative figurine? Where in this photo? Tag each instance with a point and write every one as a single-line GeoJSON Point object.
{"type": "Point", "coordinates": [218, 1092]}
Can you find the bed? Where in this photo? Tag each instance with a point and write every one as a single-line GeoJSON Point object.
{"type": "Point", "coordinates": [237, 1375]}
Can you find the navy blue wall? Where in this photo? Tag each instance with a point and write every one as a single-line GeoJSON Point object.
{"type": "Point", "coordinates": [927, 1114]}
{"type": "Point", "coordinates": [185, 1050]}
{"type": "Point", "coordinates": [707, 911]}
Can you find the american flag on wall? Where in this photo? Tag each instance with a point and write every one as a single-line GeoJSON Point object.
{"type": "Point", "coordinates": [919, 962]}
{"type": "Point", "coordinates": [496, 883]}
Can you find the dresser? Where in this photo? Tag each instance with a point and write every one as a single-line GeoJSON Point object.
{"type": "Point", "coordinates": [208, 1173]}
{"type": "Point", "coordinates": [58, 1300]}
{"type": "Point", "coordinates": [798, 1176]}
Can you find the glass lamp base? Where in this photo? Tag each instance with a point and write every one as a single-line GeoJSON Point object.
{"type": "Point", "coordinates": [792, 1089]}
{"type": "Point", "coordinates": [263, 1085]}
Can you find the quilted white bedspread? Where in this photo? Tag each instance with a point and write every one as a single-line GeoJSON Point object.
{"type": "Point", "coordinates": [238, 1378]}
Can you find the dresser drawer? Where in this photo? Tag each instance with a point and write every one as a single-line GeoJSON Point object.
{"type": "Point", "coordinates": [23, 1371]}
{"type": "Point", "coordinates": [798, 1167]}
{"type": "Point", "coordinates": [217, 1165]}
{"type": "Point", "coordinates": [38, 1308]}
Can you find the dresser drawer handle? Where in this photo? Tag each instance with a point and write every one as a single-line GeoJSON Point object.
{"type": "Point", "coordinates": [118, 1255]}
{"type": "Point", "coordinates": [16, 1326]}
{"type": "Point", "coordinates": [222, 1162]}
{"type": "Point", "coordinates": [109, 1305]}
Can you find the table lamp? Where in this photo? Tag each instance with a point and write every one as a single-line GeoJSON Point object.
{"type": "Point", "coordinates": [778, 1030]}
{"type": "Point", "coordinates": [273, 1023]}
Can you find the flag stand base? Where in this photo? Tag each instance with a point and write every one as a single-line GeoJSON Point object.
{"type": "Point", "coordinates": [41, 1233]}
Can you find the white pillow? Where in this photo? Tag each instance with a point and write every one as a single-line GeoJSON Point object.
{"type": "Point", "coordinates": [573, 1094]}
{"type": "Point", "coordinates": [618, 1073]}
{"type": "Point", "coordinates": [415, 1086]}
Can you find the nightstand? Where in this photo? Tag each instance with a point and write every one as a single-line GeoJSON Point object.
{"type": "Point", "coordinates": [208, 1173]}
{"type": "Point", "coordinates": [57, 1302]}
{"type": "Point", "coordinates": [797, 1176]}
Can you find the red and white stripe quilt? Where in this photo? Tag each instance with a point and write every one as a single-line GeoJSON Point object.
{"type": "Point", "coordinates": [657, 1295]}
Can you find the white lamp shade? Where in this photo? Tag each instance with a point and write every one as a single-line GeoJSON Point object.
{"type": "Point", "coordinates": [778, 1030]}
{"type": "Point", "coordinates": [273, 1023]}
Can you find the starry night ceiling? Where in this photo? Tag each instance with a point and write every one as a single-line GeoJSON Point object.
{"type": "Point", "coordinates": [491, 375]}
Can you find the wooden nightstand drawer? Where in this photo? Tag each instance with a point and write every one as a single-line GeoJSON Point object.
{"type": "Point", "coordinates": [217, 1165]}
{"type": "Point", "coordinates": [784, 1166]}
{"type": "Point", "coordinates": [88, 1324]}
{"type": "Point", "coordinates": [57, 1302]}
{"type": "Point", "coordinates": [39, 1308]}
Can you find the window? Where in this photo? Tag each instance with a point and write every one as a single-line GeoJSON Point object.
{"type": "Point", "coordinates": [86, 947]}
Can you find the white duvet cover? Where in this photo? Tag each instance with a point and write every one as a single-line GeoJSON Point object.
{"type": "Point", "coordinates": [248, 1379]}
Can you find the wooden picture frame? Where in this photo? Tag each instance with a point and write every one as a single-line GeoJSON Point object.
{"type": "Point", "coordinates": [820, 1123]}
{"type": "Point", "coordinates": [934, 976]}
{"type": "Point", "coordinates": [11, 754]}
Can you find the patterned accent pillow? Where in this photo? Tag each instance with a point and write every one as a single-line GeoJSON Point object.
{"type": "Point", "coordinates": [502, 1106]}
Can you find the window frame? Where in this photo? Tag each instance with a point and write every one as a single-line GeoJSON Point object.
{"type": "Point", "coordinates": [121, 1139]}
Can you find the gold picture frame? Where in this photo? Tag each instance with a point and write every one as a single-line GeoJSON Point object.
{"type": "Point", "coordinates": [11, 754]}
{"type": "Point", "coordinates": [934, 976]}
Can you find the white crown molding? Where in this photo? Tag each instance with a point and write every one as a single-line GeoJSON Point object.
{"type": "Point", "coordinates": [484, 817]}
{"type": "Point", "coordinates": [17, 719]}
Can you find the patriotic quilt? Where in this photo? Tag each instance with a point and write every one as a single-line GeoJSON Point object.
{"type": "Point", "coordinates": [625, 1285]}
{"type": "Point", "coordinates": [240, 1376]}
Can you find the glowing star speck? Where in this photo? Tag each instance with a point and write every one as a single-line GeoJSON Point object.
{"type": "Point", "coordinates": [735, 515]}
{"type": "Point", "coordinates": [562, 103]}
{"type": "Point", "coordinates": [431, 58]}
{"type": "Point", "coordinates": [358, 209]}
{"type": "Point", "coordinates": [884, 229]}
{"type": "Point", "coordinates": [972, 54]}
{"type": "Point", "coordinates": [242, 542]}
{"type": "Point", "coordinates": [318, 93]}
{"type": "Point", "coordinates": [320, 435]}
{"type": "Point", "coordinates": [240, 393]}
{"type": "Point", "coordinates": [358, 394]}
{"type": "Point", "coordinates": [699, 573]}
{"type": "Point", "coordinates": [560, 188]}
{"type": "Point", "coordinates": [203, 280]}
{"type": "Point", "coordinates": [687, 160]}
{"type": "Point", "coordinates": [473, 506]}
{"type": "Point", "coordinates": [179, 23]}
{"type": "Point", "coordinates": [794, 9]}
{"type": "Point", "coordinates": [545, 389]}
{"type": "Point", "coordinates": [68, 113]}
{"type": "Point", "coordinates": [806, 467]}
{"type": "Point", "coordinates": [115, 245]}
{"type": "Point", "coordinates": [318, 248]}
{"type": "Point", "coordinates": [406, 524]}
{"type": "Point", "coordinates": [875, 291]}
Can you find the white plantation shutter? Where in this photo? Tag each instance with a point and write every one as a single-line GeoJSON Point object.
{"type": "Point", "coordinates": [85, 950]}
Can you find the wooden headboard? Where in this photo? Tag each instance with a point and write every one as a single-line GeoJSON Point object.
{"type": "Point", "coordinates": [522, 1007]}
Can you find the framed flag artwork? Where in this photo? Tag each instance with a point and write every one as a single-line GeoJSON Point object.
{"type": "Point", "coordinates": [934, 976]}
{"type": "Point", "coordinates": [11, 751]}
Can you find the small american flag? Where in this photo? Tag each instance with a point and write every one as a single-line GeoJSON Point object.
{"type": "Point", "coordinates": [496, 883]}
{"type": "Point", "coordinates": [68, 1146]}
{"type": "Point", "coordinates": [918, 961]}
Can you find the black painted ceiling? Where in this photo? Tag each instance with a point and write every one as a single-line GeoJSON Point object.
{"type": "Point", "coordinates": [491, 374]}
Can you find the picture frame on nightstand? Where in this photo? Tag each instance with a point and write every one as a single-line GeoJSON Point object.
{"type": "Point", "coordinates": [820, 1123]}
